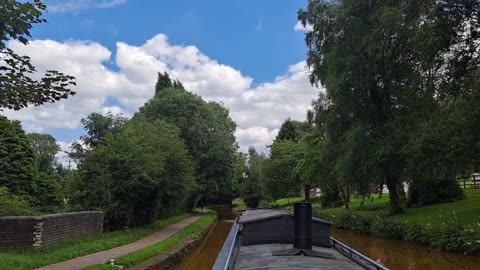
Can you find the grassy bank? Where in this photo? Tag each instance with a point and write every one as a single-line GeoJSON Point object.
{"type": "Point", "coordinates": [196, 230]}
{"type": "Point", "coordinates": [31, 259]}
{"type": "Point", "coordinates": [449, 226]}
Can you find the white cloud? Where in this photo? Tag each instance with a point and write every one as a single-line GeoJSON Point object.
{"type": "Point", "coordinates": [258, 137]}
{"type": "Point", "coordinates": [299, 27]}
{"type": "Point", "coordinates": [60, 6]}
{"type": "Point", "coordinates": [258, 111]}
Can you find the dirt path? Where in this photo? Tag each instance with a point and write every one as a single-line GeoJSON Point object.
{"type": "Point", "coordinates": [105, 256]}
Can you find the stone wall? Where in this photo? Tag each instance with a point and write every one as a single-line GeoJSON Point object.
{"type": "Point", "coordinates": [23, 232]}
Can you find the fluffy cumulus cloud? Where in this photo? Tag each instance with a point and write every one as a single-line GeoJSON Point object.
{"type": "Point", "coordinates": [299, 27]}
{"type": "Point", "coordinates": [60, 6]}
{"type": "Point", "coordinates": [258, 110]}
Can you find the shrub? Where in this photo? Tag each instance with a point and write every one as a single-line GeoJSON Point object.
{"type": "Point", "coordinates": [12, 205]}
{"type": "Point", "coordinates": [425, 192]}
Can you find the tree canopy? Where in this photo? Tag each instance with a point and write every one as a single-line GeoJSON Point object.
{"type": "Point", "coordinates": [208, 132]}
{"type": "Point", "coordinates": [17, 87]}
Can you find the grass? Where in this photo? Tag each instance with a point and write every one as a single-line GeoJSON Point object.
{"type": "Point", "coordinates": [466, 211]}
{"type": "Point", "coordinates": [196, 230]}
{"type": "Point", "coordinates": [453, 226]}
{"type": "Point", "coordinates": [34, 258]}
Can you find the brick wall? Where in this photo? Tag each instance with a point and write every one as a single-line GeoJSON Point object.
{"type": "Point", "coordinates": [21, 232]}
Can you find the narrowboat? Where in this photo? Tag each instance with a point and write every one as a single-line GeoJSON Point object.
{"type": "Point", "coordinates": [276, 239]}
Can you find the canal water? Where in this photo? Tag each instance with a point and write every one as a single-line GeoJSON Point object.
{"type": "Point", "coordinates": [399, 255]}
{"type": "Point", "coordinates": [204, 257]}
{"type": "Point", "coordinates": [395, 254]}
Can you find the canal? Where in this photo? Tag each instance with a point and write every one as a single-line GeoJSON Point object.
{"type": "Point", "coordinates": [400, 255]}
{"type": "Point", "coordinates": [204, 257]}
{"type": "Point", "coordinates": [395, 254]}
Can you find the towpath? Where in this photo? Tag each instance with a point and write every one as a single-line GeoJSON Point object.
{"type": "Point", "coordinates": [107, 255]}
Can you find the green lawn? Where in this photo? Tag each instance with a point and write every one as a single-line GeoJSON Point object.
{"type": "Point", "coordinates": [195, 230]}
{"type": "Point", "coordinates": [466, 211]}
{"type": "Point", "coordinates": [31, 259]}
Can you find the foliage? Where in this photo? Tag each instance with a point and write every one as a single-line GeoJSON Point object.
{"type": "Point", "coordinates": [413, 67]}
{"type": "Point", "coordinates": [292, 130]}
{"type": "Point", "coordinates": [12, 205]}
{"type": "Point", "coordinates": [19, 90]}
{"type": "Point", "coordinates": [98, 127]}
{"type": "Point", "coordinates": [253, 189]}
{"type": "Point", "coordinates": [164, 82]}
{"type": "Point", "coordinates": [208, 132]}
{"type": "Point", "coordinates": [32, 259]}
{"type": "Point", "coordinates": [45, 148]}
{"type": "Point", "coordinates": [281, 177]}
{"type": "Point", "coordinates": [239, 175]}
{"type": "Point", "coordinates": [47, 196]}
{"type": "Point", "coordinates": [141, 173]}
{"type": "Point", "coordinates": [17, 162]}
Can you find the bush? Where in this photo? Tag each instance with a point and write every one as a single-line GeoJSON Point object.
{"type": "Point", "coordinates": [252, 200]}
{"type": "Point", "coordinates": [423, 192]}
{"type": "Point", "coordinates": [11, 205]}
{"type": "Point", "coordinates": [331, 196]}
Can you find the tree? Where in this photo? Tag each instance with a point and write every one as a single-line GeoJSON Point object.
{"type": "Point", "coordinates": [45, 148]}
{"type": "Point", "coordinates": [292, 130]}
{"type": "Point", "coordinates": [18, 89]}
{"type": "Point", "coordinates": [17, 160]}
{"type": "Point", "coordinates": [280, 170]}
{"type": "Point", "coordinates": [405, 49]}
{"type": "Point", "coordinates": [141, 173]}
{"type": "Point", "coordinates": [253, 184]}
{"type": "Point", "coordinates": [239, 175]}
{"type": "Point", "coordinates": [98, 127]}
{"type": "Point", "coordinates": [207, 130]}
{"type": "Point", "coordinates": [163, 82]}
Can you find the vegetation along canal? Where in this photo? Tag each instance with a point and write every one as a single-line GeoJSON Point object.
{"type": "Point", "coordinates": [204, 257]}
{"type": "Point", "coordinates": [400, 255]}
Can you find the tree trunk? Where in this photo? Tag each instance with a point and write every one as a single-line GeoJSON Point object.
{"type": "Point", "coordinates": [307, 193]}
{"type": "Point", "coordinates": [401, 192]}
{"type": "Point", "coordinates": [348, 193]}
{"type": "Point", "coordinates": [380, 190]}
{"type": "Point", "coordinates": [345, 196]}
{"type": "Point", "coordinates": [395, 200]}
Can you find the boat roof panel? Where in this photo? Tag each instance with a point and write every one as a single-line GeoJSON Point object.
{"type": "Point", "coordinates": [260, 257]}
{"type": "Point", "coordinates": [254, 215]}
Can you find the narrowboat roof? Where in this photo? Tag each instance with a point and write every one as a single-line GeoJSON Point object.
{"type": "Point", "coordinates": [260, 257]}
{"type": "Point", "coordinates": [259, 254]}
{"type": "Point", "coordinates": [254, 215]}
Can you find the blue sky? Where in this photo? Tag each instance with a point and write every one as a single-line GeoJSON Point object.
{"type": "Point", "coordinates": [247, 54]}
{"type": "Point", "coordinates": [255, 37]}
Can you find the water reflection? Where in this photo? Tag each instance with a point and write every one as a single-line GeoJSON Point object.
{"type": "Point", "coordinates": [399, 255]}
{"type": "Point", "coordinates": [204, 257]}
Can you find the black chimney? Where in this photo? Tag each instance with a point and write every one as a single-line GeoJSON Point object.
{"type": "Point", "coordinates": [302, 234]}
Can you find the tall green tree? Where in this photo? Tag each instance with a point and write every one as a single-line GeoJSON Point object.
{"type": "Point", "coordinates": [208, 132]}
{"type": "Point", "coordinates": [45, 148]}
{"type": "Point", "coordinates": [17, 159]}
{"type": "Point", "coordinates": [239, 174]}
{"type": "Point", "coordinates": [403, 49]}
{"type": "Point", "coordinates": [280, 170]}
{"type": "Point", "coordinates": [253, 189]}
{"type": "Point", "coordinates": [18, 88]}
